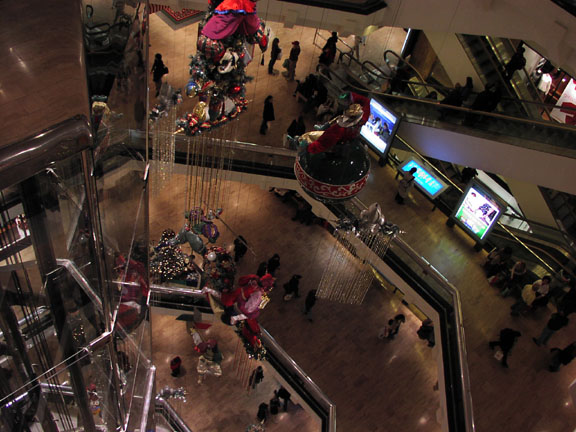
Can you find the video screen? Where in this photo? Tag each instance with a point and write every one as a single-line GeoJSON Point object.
{"type": "Point", "coordinates": [478, 212]}
{"type": "Point", "coordinates": [430, 185]}
{"type": "Point", "coordinates": [380, 127]}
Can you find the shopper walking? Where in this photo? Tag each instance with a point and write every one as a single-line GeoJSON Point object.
{"type": "Point", "coordinates": [262, 269]}
{"type": "Point", "coordinates": [297, 127]}
{"type": "Point", "coordinates": [273, 264]}
{"type": "Point", "coordinates": [291, 287]}
{"type": "Point", "coordinates": [267, 114]}
{"type": "Point", "coordinates": [562, 357]}
{"type": "Point", "coordinates": [256, 377]}
{"type": "Point", "coordinates": [285, 396]}
{"type": "Point", "coordinates": [405, 185]}
{"type": "Point", "coordinates": [508, 338]}
{"type": "Point", "coordinates": [275, 54]}
{"type": "Point", "coordinates": [555, 323]}
{"type": "Point", "coordinates": [292, 60]}
{"type": "Point", "coordinates": [240, 248]}
{"type": "Point", "coordinates": [262, 414]}
{"type": "Point", "coordinates": [158, 71]}
{"type": "Point", "coordinates": [309, 303]}
{"type": "Point", "coordinates": [394, 325]}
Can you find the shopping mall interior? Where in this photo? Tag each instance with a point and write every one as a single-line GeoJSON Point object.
{"type": "Point", "coordinates": [138, 207]}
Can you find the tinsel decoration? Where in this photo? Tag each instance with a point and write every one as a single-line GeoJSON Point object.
{"type": "Point", "coordinates": [162, 119]}
{"type": "Point", "coordinates": [348, 274]}
{"type": "Point", "coordinates": [168, 262]}
{"type": "Point", "coordinates": [209, 163]}
{"type": "Point", "coordinates": [173, 393]}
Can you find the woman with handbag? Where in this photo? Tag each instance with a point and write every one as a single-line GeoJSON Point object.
{"type": "Point", "coordinates": [275, 54]}
{"type": "Point", "coordinates": [159, 69]}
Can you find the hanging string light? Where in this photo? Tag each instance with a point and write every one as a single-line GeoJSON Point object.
{"type": "Point", "coordinates": [348, 274]}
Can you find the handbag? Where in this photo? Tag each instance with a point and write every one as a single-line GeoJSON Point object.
{"type": "Point", "coordinates": [279, 57]}
{"type": "Point", "coordinates": [165, 70]}
{"type": "Point", "coordinates": [286, 64]}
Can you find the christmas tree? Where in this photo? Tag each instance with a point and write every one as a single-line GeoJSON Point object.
{"type": "Point", "coordinates": [218, 70]}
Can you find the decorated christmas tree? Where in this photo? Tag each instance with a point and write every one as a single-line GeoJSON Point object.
{"type": "Point", "coordinates": [218, 70]}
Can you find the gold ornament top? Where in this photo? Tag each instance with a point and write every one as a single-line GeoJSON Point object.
{"type": "Point", "coordinates": [200, 111]}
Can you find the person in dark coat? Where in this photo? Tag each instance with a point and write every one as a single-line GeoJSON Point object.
{"type": "Point", "coordinates": [267, 114]}
{"type": "Point", "coordinates": [275, 404]}
{"type": "Point", "coordinates": [262, 412]}
{"type": "Point", "coordinates": [555, 323]}
{"type": "Point", "coordinates": [273, 264]}
{"type": "Point", "coordinates": [297, 127]}
{"type": "Point", "coordinates": [291, 287]}
{"type": "Point", "coordinates": [158, 71]}
{"type": "Point", "coordinates": [517, 62]}
{"type": "Point", "coordinates": [285, 396]}
{"type": "Point", "coordinates": [506, 341]}
{"type": "Point", "coordinates": [562, 357]}
{"type": "Point", "coordinates": [309, 303]}
{"type": "Point", "coordinates": [256, 377]}
{"type": "Point", "coordinates": [274, 53]}
{"type": "Point", "coordinates": [292, 60]}
{"type": "Point", "coordinates": [262, 269]}
{"type": "Point", "coordinates": [240, 248]}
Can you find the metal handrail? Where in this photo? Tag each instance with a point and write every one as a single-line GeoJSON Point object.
{"type": "Point", "coordinates": [163, 407]}
{"type": "Point", "coordinates": [311, 387]}
{"type": "Point", "coordinates": [21, 160]}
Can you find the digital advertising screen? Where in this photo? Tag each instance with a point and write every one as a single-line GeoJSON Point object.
{"type": "Point", "coordinates": [424, 178]}
{"type": "Point", "coordinates": [478, 211]}
{"type": "Point", "coordinates": [380, 128]}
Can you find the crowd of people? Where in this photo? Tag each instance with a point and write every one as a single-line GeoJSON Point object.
{"type": "Point", "coordinates": [532, 294]}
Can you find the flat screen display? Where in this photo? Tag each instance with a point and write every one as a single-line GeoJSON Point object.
{"type": "Point", "coordinates": [478, 211]}
{"type": "Point", "coordinates": [424, 179]}
{"type": "Point", "coordinates": [380, 128]}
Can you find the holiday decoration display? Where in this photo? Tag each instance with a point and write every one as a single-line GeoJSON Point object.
{"type": "Point", "coordinates": [218, 70]}
{"type": "Point", "coordinates": [162, 118]}
{"type": "Point", "coordinates": [219, 270]}
{"type": "Point", "coordinates": [173, 393]}
{"type": "Point", "coordinates": [249, 333]}
{"type": "Point", "coordinates": [167, 261]}
{"type": "Point", "coordinates": [210, 360]}
{"type": "Point", "coordinates": [348, 274]}
{"type": "Point", "coordinates": [332, 165]}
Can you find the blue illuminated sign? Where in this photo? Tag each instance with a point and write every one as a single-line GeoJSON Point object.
{"type": "Point", "coordinates": [430, 185]}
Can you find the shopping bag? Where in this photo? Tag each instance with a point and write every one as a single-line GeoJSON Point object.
{"type": "Point", "coordinates": [384, 333]}
{"type": "Point", "coordinates": [499, 355]}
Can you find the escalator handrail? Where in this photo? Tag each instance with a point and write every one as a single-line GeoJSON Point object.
{"type": "Point", "coordinates": [445, 90]}
{"type": "Point", "coordinates": [403, 60]}
{"type": "Point", "coordinates": [497, 54]}
{"type": "Point", "coordinates": [438, 104]}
